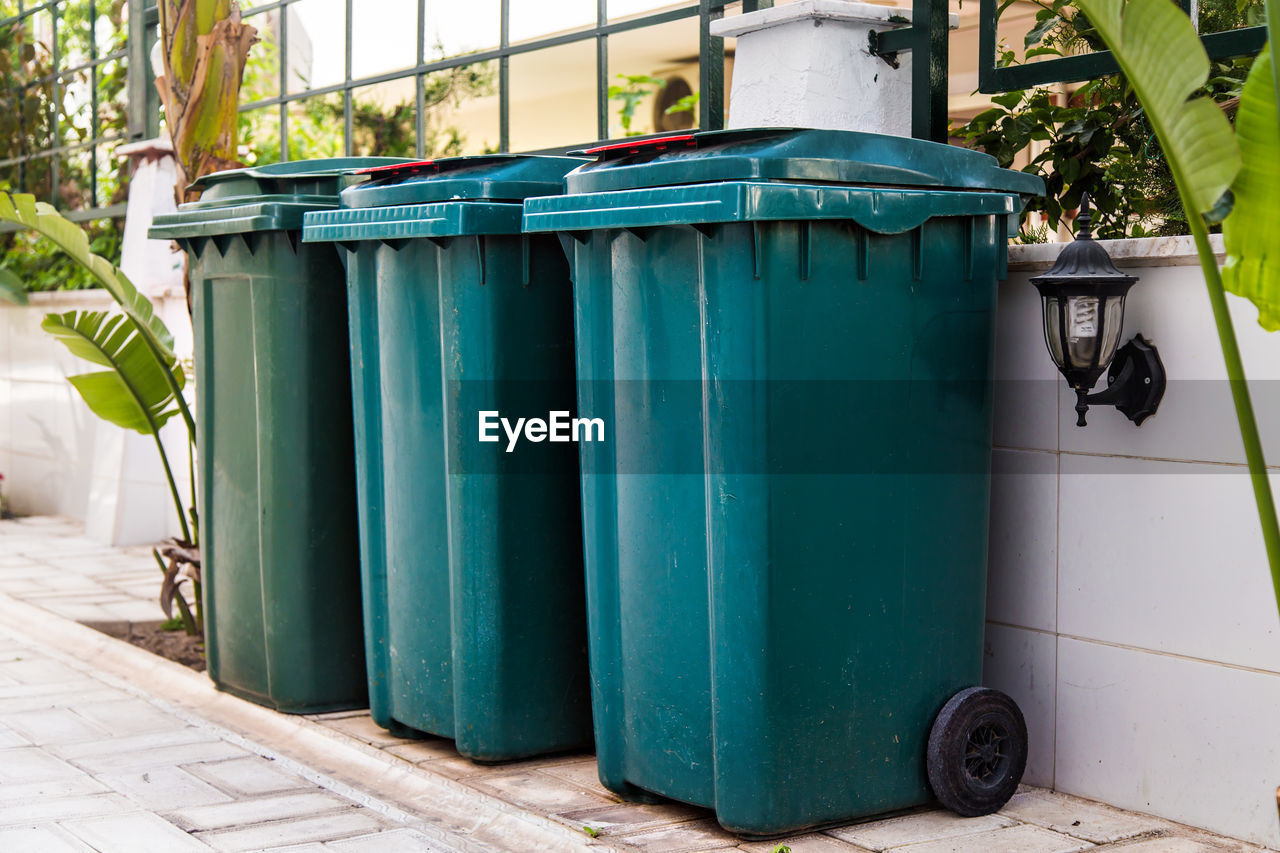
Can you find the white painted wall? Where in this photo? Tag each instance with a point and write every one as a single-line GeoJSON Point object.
{"type": "Point", "coordinates": [1130, 610]}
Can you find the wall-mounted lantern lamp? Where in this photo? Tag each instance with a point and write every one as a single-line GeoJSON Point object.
{"type": "Point", "coordinates": [1083, 298]}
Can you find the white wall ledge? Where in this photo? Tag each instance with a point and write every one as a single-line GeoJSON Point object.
{"type": "Point", "coordinates": [1135, 252]}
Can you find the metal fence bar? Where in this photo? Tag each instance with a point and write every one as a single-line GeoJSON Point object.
{"type": "Point", "coordinates": [55, 102]}
{"type": "Point", "coordinates": [710, 67]}
{"type": "Point", "coordinates": [602, 70]}
{"type": "Point", "coordinates": [346, 86]}
{"type": "Point", "coordinates": [282, 39]}
{"type": "Point", "coordinates": [93, 100]}
{"type": "Point", "coordinates": [504, 77]}
{"type": "Point", "coordinates": [931, 28]}
{"type": "Point", "coordinates": [420, 88]}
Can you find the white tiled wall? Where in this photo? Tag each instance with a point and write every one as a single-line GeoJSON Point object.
{"type": "Point", "coordinates": [1130, 609]}
{"type": "Point", "coordinates": [56, 456]}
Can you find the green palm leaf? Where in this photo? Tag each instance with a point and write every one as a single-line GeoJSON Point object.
{"type": "Point", "coordinates": [1252, 231]}
{"type": "Point", "coordinates": [133, 392]}
{"type": "Point", "coordinates": [25, 211]}
{"type": "Point", "coordinates": [1157, 48]}
{"type": "Point", "coordinates": [38, 216]}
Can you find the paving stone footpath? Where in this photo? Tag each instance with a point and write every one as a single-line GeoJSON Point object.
{"type": "Point", "coordinates": [104, 747]}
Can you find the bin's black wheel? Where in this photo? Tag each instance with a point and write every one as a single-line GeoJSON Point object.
{"type": "Point", "coordinates": [977, 751]}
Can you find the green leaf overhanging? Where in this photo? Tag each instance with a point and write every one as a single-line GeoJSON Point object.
{"type": "Point", "coordinates": [1252, 231]}
{"type": "Point", "coordinates": [38, 216]}
{"type": "Point", "coordinates": [1157, 48]}
{"type": "Point", "coordinates": [23, 210]}
{"type": "Point", "coordinates": [133, 392]}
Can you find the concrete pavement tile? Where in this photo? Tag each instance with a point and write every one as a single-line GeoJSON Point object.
{"type": "Point", "coordinates": [96, 594]}
{"type": "Point", "coordinates": [456, 768]}
{"type": "Point", "coordinates": [338, 715]}
{"type": "Point", "coordinates": [139, 832]}
{"type": "Point", "coordinates": [1014, 839]}
{"type": "Point", "coordinates": [364, 728]}
{"type": "Point", "coordinates": [36, 670]}
{"type": "Point", "coordinates": [52, 696]}
{"type": "Point", "coordinates": [682, 838]}
{"type": "Point", "coordinates": [187, 753]}
{"type": "Point", "coordinates": [313, 847]}
{"type": "Point", "coordinates": [424, 750]}
{"type": "Point", "coordinates": [164, 789]}
{"type": "Point", "coordinates": [1167, 844]}
{"type": "Point", "coordinates": [250, 776]}
{"type": "Point", "coordinates": [54, 725]}
{"type": "Point", "coordinates": [584, 774]}
{"type": "Point", "coordinates": [129, 717]}
{"type": "Point", "coordinates": [10, 738]}
{"type": "Point", "coordinates": [390, 841]}
{"type": "Point", "coordinates": [914, 828]}
{"type": "Point", "coordinates": [132, 743]}
{"type": "Point", "coordinates": [62, 808]}
{"type": "Point", "coordinates": [1090, 821]}
{"type": "Point", "coordinates": [626, 817]}
{"type": "Point", "coordinates": [537, 791]}
{"type": "Point", "coordinates": [33, 764]}
{"type": "Point", "coordinates": [811, 843]}
{"type": "Point", "coordinates": [323, 828]}
{"type": "Point", "coordinates": [71, 786]}
{"type": "Point", "coordinates": [39, 839]}
{"type": "Point", "coordinates": [244, 812]}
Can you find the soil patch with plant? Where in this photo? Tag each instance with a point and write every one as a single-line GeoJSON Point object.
{"type": "Point", "coordinates": [154, 637]}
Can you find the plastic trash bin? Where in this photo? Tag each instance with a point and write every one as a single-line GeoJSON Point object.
{"type": "Point", "coordinates": [789, 337]}
{"type": "Point", "coordinates": [276, 458]}
{"type": "Point", "coordinates": [472, 558]}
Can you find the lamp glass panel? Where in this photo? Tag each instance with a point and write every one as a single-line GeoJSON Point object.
{"type": "Point", "coordinates": [1112, 326]}
{"type": "Point", "coordinates": [1053, 330]}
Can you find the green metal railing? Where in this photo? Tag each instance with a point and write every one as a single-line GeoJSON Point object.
{"type": "Point", "coordinates": [710, 64]}
{"type": "Point", "coordinates": [18, 165]}
{"type": "Point", "coordinates": [1088, 66]}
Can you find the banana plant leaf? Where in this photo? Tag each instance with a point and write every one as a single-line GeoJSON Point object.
{"type": "Point", "coordinates": [41, 217]}
{"type": "Point", "coordinates": [1252, 231]}
{"type": "Point", "coordinates": [133, 392]}
{"type": "Point", "coordinates": [1156, 46]}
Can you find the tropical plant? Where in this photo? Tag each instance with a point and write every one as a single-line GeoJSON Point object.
{"type": "Point", "coordinates": [1220, 175]}
{"type": "Point", "coordinates": [140, 385]}
{"type": "Point", "coordinates": [1098, 139]}
{"type": "Point", "coordinates": [631, 93]}
{"type": "Point", "coordinates": [36, 115]}
{"type": "Point", "coordinates": [205, 47]}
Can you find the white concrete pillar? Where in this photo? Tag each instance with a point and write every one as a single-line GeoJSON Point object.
{"type": "Point", "coordinates": [809, 64]}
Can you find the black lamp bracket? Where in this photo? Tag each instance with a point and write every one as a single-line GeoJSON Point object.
{"type": "Point", "coordinates": [1135, 383]}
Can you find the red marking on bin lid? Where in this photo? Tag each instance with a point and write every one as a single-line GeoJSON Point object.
{"type": "Point", "coordinates": [399, 168]}
{"type": "Point", "coordinates": [661, 143]}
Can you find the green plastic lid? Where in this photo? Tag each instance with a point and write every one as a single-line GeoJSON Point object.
{"type": "Point", "coordinates": [264, 198]}
{"type": "Point", "coordinates": [489, 177]}
{"type": "Point", "coordinates": [796, 155]}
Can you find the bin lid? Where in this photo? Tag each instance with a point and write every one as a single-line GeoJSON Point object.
{"type": "Point", "coordinates": [793, 154]}
{"type": "Point", "coordinates": [486, 177]}
{"type": "Point", "coordinates": [263, 198]}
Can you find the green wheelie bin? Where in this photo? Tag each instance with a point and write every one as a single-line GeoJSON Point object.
{"type": "Point", "coordinates": [276, 474]}
{"type": "Point", "coordinates": [788, 334]}
{"type": "Point", "coordinates": [471, 555]}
